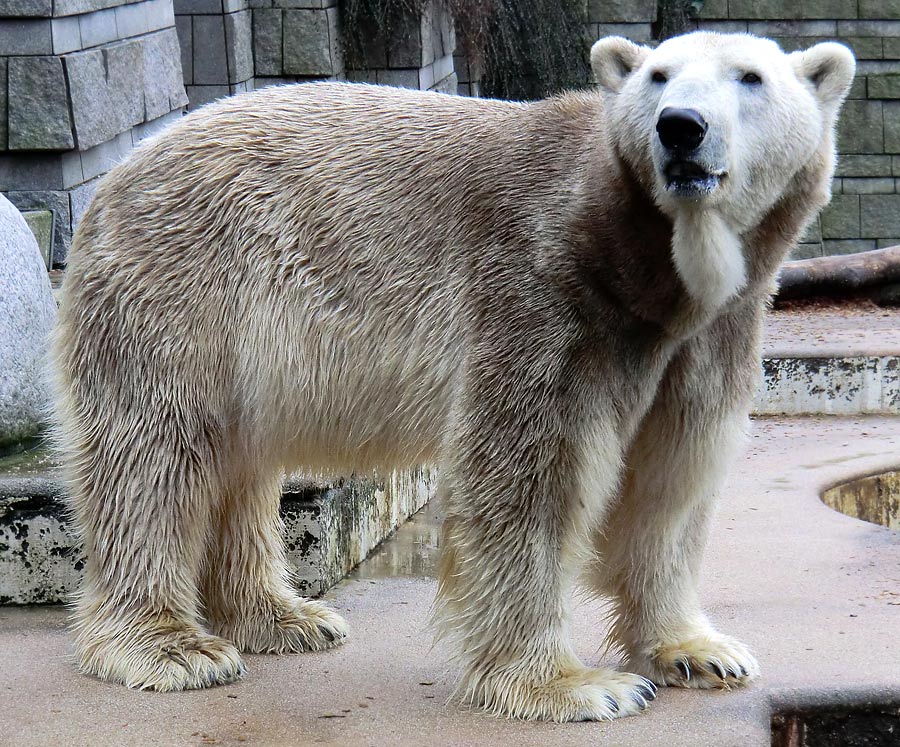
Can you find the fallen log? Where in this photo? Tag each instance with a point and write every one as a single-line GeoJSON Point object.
{"type": "Point", "coordinates": [841, 275]}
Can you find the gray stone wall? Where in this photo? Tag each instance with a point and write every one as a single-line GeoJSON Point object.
{"type": "Point", "coordinates": [631, 19]}
{"type": "Point", "coordinates": [864, 212]}
{"type": "Point", "coordinates": [228, 46]}
{"type": "Point", "coordinates": [468, 76]}
{"type": "Point", "coordinates": [216, 38]}
{"type": "Point", "coordinates": [297, 40]}
{"type": "Point", "coordinates": [419, 54]}
{"type": "Point", "coordinates": [81, 82]}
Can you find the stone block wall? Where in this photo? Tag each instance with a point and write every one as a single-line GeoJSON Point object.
{"type": "Point", "coordinates": [81, 82]}
{"type": "Point", "coordinates": [228, 46]}
{"type": "Point", "coordinates": [216, 38]}
{"type": "Point", "coordinates": [864, 213]}
{"type": "Point", "coordinates": [296, 40]}
{"type": "Point", "coordinates": [631, 19]}
{"type": "Point", "coordinates": [468, 76]}
{"type": "Point", "coordinates": [419, 54]}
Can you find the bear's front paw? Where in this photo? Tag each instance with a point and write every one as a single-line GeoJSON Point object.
{"type": "Point", "coordinates": [165, 660]}
{"type": "Point", "coordinates": [583, 695]}
{"type": "Point", "coordinates": [704, 661]}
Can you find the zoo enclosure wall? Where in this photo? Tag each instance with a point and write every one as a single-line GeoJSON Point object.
{"type": "Point", "coordinates": [83, 81]}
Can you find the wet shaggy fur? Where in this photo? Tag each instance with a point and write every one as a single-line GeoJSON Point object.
{"type": "Point", "coordinates": [347, 277]}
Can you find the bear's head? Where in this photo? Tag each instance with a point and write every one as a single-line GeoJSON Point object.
{"type": "Point", "coordinates": [723, 119]}
{"type": "Point", "coordinates": [719, 129]}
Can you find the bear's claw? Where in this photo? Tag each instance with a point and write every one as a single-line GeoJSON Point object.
{"type": "Point", "coordinates": [705, 661]}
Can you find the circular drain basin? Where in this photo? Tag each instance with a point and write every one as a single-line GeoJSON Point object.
{"type": "Point", "coordinates": [875, 499]}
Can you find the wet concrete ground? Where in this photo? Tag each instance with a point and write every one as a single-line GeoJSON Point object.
{"type": "Point", "coordinates": [814, 593]}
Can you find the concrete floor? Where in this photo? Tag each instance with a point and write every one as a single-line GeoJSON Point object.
{"type": "Point", "coordinates": [815, 594]}
{"type": "Point", "coordinates": [833, 330]}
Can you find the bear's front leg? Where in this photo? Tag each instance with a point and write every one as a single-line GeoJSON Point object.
{"type": "Point", "coordinates": [512, 541]}
{"type": "Point", "coordinates": [649, 551]}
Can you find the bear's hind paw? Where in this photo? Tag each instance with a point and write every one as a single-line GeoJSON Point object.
{"type": "Point", "coordinates": [313, 626]}
{"type": "Point", "coordinates": [289, 627]}
{"type": "Point", "coordinates": [163, 661]}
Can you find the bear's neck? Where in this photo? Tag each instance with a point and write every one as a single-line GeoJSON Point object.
{"type": "Point", "coordinates": [632, 255]}
{"type": "Point", "coordinates": [708, 255]}
{"type": "Point", "coordinates": [677, 274]}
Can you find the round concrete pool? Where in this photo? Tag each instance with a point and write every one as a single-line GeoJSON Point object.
{"type": "Point", "coordinates": [875, 499]}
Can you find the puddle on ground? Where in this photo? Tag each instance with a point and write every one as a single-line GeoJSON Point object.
{"type": "Point", "coordinates": [33, 460]}
{"type": "Point", "coordinates": [412, 551]}
{"type": "Point", "coordinates": [875, 499]}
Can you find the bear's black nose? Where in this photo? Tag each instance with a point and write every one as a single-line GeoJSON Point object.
{"type": "Point", "coordinates": [681, 129]}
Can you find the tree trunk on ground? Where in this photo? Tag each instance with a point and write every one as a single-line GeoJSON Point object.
{"type": "Point", "coordinates": [840, 276]}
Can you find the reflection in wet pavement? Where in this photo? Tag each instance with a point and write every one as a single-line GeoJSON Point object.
{"type": "Point", "coordinates": [413, 550]}
{"type": "Point", "coordinates": [31, 460]}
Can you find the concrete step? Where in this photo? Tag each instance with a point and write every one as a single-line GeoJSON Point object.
{"type": "Point", "coordinates": [832, 359]}
{"type": "Point", "coordinates": [330, 527]}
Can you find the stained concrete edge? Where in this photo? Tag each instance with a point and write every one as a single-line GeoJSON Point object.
{"type": "Point", "coordinates": [330, 527]}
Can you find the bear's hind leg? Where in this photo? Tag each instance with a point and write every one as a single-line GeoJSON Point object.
{"type": "Point", "coordinates": [142, 494]}
{"type": "Point", "coordinates": [247, 591]}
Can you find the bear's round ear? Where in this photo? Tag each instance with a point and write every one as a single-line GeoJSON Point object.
{"type": "Point", "coordinates": [829, 68]}
{"type": "Point", "coordinates": [613, 59]}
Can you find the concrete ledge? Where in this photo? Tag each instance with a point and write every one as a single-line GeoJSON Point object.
{"type": "Point", "coordinates": [330, 530]}
{"type": "Point", "coordinates": [330, 527]}
{"type": "Point", "coordinates": [840, 360]}
{"type": "Point", "coordinates": [830, 386]}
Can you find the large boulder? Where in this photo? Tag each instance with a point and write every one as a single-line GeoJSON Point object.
{"type": "Point", "coordinates": [27, 313]}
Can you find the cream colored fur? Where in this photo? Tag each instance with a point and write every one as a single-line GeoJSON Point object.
{"type": "Point", "coordinates": [348, 277]}
{"type": "Point", "coordinates": [708, 256]}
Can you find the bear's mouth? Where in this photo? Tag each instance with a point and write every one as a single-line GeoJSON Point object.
{"type": "Point", "coordinates": [690, 179]}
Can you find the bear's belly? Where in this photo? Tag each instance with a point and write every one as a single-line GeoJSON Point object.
{"type": "Point", "coordinates": [362, 389]}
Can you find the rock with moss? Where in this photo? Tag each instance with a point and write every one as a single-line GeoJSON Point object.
{"type": "Point", "coordinates": [27, 313]}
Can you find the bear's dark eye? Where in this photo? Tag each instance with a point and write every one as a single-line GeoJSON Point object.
{"type": "Point", "coordinates": [658, 77]}
{"type": "Point", "coordinates": [751, 79]}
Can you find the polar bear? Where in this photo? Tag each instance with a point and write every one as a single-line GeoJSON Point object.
{"type": "Point", "coordinates": [559, 303]}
